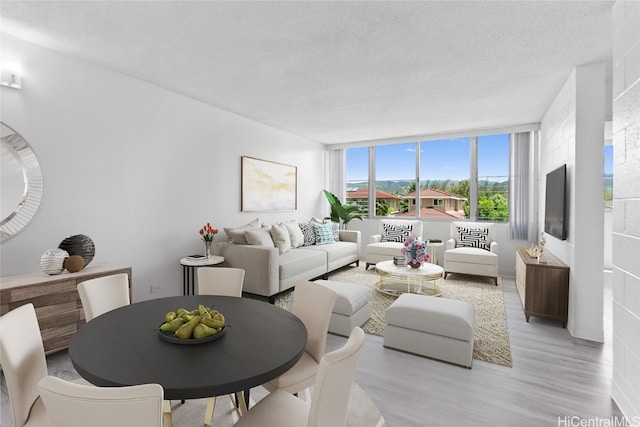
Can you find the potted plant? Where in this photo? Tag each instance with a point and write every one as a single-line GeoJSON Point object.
{"type": "Point", "coordinates": [342, 213]}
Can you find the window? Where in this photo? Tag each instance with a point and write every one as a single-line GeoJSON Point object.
{"type": "Point", "coordinates": [443, 186]}
{"type": "Point", "coordinates": [444, 178]}
{"type": "Point", "coordinates": [493, 178]}
{"type": "Point", "coordinates": [395, 177]}
{"type": "Point", "coordinates": [357, 168]}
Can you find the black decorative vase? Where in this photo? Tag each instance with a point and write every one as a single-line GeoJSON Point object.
{"type": "Point", "coordinates": [79, 244]}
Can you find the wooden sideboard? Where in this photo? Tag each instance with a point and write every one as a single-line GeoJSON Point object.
{"type": "Point", "coordinates": [55, 299]}
{"type": "Point", "coordinates": [543, 286]}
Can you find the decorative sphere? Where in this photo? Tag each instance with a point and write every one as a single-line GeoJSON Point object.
{"type": "Point", "coordinates": [79, 244]}
{"type": "Point", "coordinates": [74, 263]}
{"type": "Point", "coordinates": [52, 261]}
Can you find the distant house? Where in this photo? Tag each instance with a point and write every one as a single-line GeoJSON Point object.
{"type": "Point", "coordinates": [435, 203]}
{"type": "Point", "coordinates": [360, 196]}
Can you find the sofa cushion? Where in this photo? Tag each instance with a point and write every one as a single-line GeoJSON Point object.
{"type": "Point", "coordinates": [295, 233]}
{"type": "Point", "coordinates": [259, 237]}
{"type": "Point", "coordinates": [237, 234]}
{"type": "Point", "coordinates": [299, 261]}
{"type": "Point", "coordinates": [324, 233]}
{"type": "Point", "coordinates": [335, 250]}
{"type": "Point", "coordinates": [470, 237]}
{"type": "Point", "coordinates": [471, 256]}
{"type": "Point", "coordinates": [280, 236]}
{"type": "Point", "coordinates": [309, 233]}
{"type": "Point", "coordinates": [335, 227]}
{"type": "Point", "coordinates": [396, 232]}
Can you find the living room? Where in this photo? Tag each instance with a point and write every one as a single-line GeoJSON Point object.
{"type": "Point", "coordinates": [139, 168]}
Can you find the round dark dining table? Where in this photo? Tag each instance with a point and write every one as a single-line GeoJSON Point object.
{"type": "Point", "coordinates": [122, 347]}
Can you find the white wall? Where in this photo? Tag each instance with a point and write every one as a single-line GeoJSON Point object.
{"type": "Point", "coordinates": [572, 132]}
{"type": "Point", "coordinates": [626, 208]}
{"type": "Point", "coordinates": [137, 168]}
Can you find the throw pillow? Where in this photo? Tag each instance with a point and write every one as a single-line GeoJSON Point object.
{"type": "Point", "coordinates": [309, 233]}
{"type": "Point", "coordinates": [259, 237]}
{"type": "Point", "coordinates": [473, 238]}
{"type": "Point", "coordinates": [335, 228]}
{"type": "Point", "coordinates": [324, 233]}
{"type": "Point", "coordinates": [280, 236]}
{"type": "Point", "coordinates": [396, 232]}
{"type": "Point", "coordinates": [295, 233]}
{"type": "Point", "coordinates": [237, 234]}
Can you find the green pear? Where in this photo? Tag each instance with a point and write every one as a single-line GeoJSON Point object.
{"type": "Point", "coordinates": [170, 316]}
{"type": "Point", "coordinates": [185, 331]}
{"type": "Point", "coordinates": [202, 331]}
{"type": "Point", "coordinates": [213, 323]}
{"type": "Point", "coordinates": [172, 326]}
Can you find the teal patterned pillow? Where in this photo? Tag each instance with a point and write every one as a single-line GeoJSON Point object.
{"type": "Point", "coordinates": [324, 233]}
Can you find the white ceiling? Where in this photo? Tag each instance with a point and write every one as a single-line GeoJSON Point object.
{"type": "Point", "coordinates": [337, 72]}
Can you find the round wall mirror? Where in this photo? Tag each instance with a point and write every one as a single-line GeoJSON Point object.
{"type": "Point", "coordinates": [21, 184]}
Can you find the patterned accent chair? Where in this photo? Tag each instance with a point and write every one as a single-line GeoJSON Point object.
{"type": "Point", "coordinates": [472, 249]}
{"type": "Point", "coordinates": [390, 239]}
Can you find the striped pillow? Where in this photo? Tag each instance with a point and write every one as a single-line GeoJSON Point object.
{"type": "Point", "coordinates": [396, 233]}
{"type": "Point", "coordinates": [473, 238]}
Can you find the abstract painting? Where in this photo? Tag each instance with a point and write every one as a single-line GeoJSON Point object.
{"type": "Point", "coordinates": [268, 186]}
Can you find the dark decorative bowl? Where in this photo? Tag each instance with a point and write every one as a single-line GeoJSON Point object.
{"type": "Point", "coordinates": [79, 244]}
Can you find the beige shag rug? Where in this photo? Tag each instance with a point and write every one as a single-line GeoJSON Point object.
{"type": "Point", "coordinates": [491, 342]}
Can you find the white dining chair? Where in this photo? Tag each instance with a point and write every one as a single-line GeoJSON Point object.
{"type": "Point", "coordinates": [74, 405]}
{"type": "Point", "coordinates": [313, 304]}
{"type": "Point", "coordinates": [24, 364]}
{"type": "Point", "coordinates": [104, 294]}
{"type": "Point", "coordinates": [107, 293]}
{"type": "Point", "coordinates": [329, 399]}
{"type": "Point", "coordinates": [224, 281]}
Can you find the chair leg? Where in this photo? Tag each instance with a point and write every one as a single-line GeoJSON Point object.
{"type": "Point", "coordinates": [208, 414]}
{"type": "Point", "coordinates": [166, 414]}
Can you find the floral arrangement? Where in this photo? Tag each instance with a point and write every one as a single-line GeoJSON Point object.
{"type": "Point", "coordinates": [415, 250]}
{"type": "Point", "coordinates": [208, 233]}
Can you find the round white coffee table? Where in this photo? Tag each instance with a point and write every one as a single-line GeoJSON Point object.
{"type": "Point", "coordinates": [412, 280]}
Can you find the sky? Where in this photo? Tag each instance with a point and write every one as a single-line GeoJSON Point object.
{"type": "Point", "coordinates": [441, 159]}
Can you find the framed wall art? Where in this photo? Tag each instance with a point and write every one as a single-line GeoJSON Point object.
{"type": "Point", "coordinates": [268, 186]}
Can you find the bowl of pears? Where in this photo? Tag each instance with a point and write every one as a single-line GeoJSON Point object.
{"type": "Point", "coordinates": [192, 327]}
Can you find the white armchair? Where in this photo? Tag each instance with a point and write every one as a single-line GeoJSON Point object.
{"type": "Point", "coordinates": [472, 249]}
{"type": "Point", "coordinates": [390, 238]}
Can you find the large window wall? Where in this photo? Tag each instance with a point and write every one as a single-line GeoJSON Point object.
{"type": "Point", "coordinates": [463, 177]}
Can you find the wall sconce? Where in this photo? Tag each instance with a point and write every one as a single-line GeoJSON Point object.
{"type": "Point", "coordinates": [10, 74]}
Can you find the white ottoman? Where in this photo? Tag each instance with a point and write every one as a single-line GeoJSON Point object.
{"type": "Point", "coordinates": [438, 328]}
{"type": "Point", "coordinates": [352, 306]}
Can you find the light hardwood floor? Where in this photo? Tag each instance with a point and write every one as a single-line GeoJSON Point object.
{"type": "Point", "coordinates": [553, 376]}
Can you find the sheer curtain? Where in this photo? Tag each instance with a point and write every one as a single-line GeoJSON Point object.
{"type": "Point", "coordinates": [337, 173]}
{"type": "Point", "coordinates": [522, 221]}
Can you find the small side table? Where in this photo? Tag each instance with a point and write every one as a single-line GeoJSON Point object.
{"type": "Point", "coordinates": [189, 265]}
{"type": "Point", "coordinates": [435, 244]}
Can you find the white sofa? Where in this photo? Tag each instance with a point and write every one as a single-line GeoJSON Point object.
{"type": "Point", "coordinates": [390, 238]}
{"type": "Point", "coordinates": [475, 251]}
{"type": "Point", "coordinates": [270, 271]}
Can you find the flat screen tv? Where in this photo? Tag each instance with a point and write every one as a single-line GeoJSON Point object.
{"type": "Point", "coordinates": [555, 210]}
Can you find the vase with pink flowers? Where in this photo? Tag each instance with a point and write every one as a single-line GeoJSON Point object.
{"type": "Point", "coordinates": [415, 251]}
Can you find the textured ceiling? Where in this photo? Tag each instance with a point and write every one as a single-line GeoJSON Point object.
{"type": "Point", "coordinates": [337, 72]}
